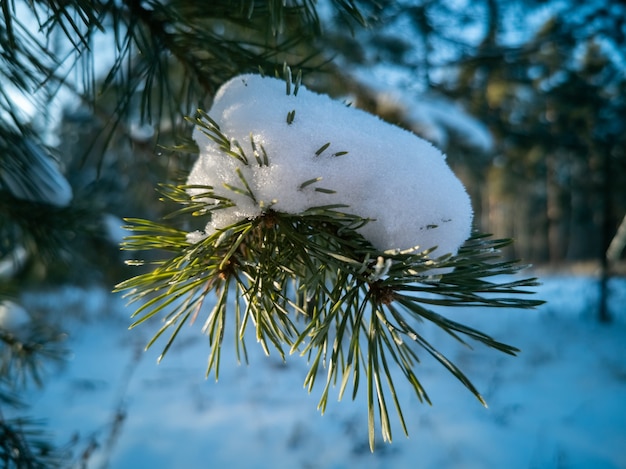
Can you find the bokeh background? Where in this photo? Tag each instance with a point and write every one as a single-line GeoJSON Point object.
{"type": "Point", "coordinates": [527, 99]}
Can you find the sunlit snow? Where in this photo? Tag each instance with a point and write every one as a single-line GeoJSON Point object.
{"type": "Point", "coordinates": [560, 403]}
{"type": "Point", "coordinates": [380, 171]}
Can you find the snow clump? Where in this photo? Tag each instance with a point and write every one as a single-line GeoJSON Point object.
{"type": "Point", "coordinates": [382, 172]}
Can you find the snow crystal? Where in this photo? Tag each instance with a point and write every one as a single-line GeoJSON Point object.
{"type": "Point", "coordinates": [380, 171]}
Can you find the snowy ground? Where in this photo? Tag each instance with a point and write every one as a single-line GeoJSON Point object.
{"type": "Point", "coordinates": [560, 404]}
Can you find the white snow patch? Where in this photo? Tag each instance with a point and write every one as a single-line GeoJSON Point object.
{"type": "Point", "coordinates": [560, 400]}
{"type": "Point", "coordinates": [141, 132]}
{"type": "Point", "coordinates": [13, 317]}
{"type": "Point", "coordinates": [388, 174]}
{"type": "Point", "coordinates": [40, 181]}
{"type": "Point", "coordinates": [439, 120]}
{"type": "Point", "coordinates": [445, 120]}
{"type": "Point", "coordinates": [13, 261]}
{"type": "Point", "coordinates": [114, 228]}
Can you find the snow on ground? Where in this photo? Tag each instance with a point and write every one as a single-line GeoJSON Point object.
{"type": "Point", "coordinates": [560, 403]}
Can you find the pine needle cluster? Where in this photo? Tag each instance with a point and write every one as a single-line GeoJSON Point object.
{"type": "Point", "coordinates": [24, 354]}
{"type": "Point", "coordinates": [311, 284]}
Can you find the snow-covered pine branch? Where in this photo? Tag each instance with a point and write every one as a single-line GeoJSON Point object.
{"type": "Point", "coordinates": [381, 172]}
{"type": "Point", "coordinates": [311, 215]}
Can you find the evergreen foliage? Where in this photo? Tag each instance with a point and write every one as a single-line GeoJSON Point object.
{"type": "Point", "coordinates": [133, 63]}
{"type": "Point", "coordinates": [311, 284]}
{"type": "Point", "coordinates": [24, 353]}
{"type": "Point", "coordinates": [167, 58]}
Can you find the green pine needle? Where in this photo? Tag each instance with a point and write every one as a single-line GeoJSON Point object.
{"type": "Point", "coordinates": [311, 284]}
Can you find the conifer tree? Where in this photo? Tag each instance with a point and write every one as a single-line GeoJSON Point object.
{"type": "Point", "coordinates": [310, 281]}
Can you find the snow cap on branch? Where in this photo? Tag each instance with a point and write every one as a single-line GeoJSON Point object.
{"type": "Point", "coordinates": [320, 152]}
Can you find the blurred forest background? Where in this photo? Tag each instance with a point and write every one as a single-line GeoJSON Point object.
{"type": "Point", "coordinates": [526, 97]}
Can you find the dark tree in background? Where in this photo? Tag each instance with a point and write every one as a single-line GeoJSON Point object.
{"type": "Point", "coordinates": [553, 106]}
{"type": "Point", "coordinates": [90, 93]}
{"type": "Point", "coordinates": [548, 82]}
{"type": "Point", "coordinates": [93, 96]}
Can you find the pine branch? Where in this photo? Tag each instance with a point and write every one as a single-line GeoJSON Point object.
{"type": "Point", "coordinates": [311, 283]}
{"type": "Point", "coordinates": [23, 357]}
{"type": "Point", "coordinates": [169, 56]}
{"type": "Point", "coordinates": [24, 444]}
